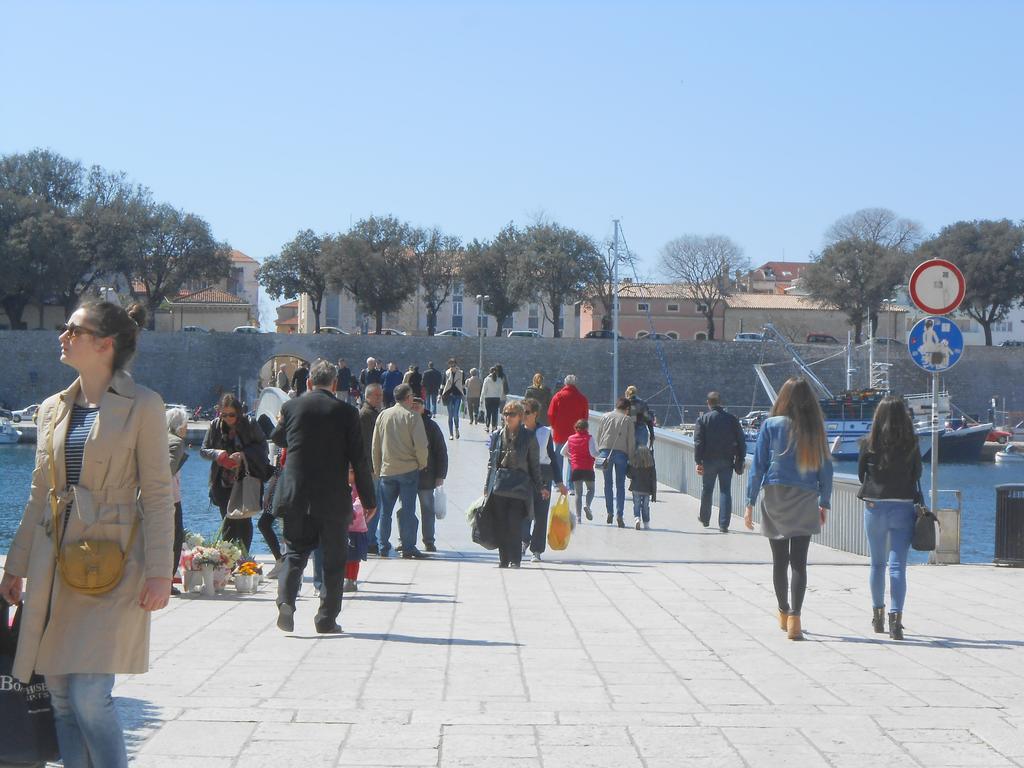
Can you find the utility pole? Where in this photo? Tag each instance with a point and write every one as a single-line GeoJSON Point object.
{"type": "Point", "coordinates": [615, 315]}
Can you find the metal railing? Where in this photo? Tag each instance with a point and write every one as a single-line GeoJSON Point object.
{"type": "Point", "coordinates": [844, 529]}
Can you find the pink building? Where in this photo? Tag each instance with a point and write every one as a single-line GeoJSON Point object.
{"type": "Point", "coordinates": [640, 304]}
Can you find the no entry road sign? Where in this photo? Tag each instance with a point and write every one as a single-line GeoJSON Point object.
{"type": "Point", "coordinates": [937, 287]}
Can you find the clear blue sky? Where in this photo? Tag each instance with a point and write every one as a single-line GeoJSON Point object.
{"type": "Point", "coordinates": [761, 121]}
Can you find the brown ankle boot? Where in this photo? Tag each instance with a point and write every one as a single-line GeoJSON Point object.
{"type": "Point", "coordinates": [793, 631]}
{"type": "Point", "coordinates": [783, 621]}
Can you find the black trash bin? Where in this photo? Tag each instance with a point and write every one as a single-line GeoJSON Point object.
{"type": "Point", "coordinates": [1010, 524]}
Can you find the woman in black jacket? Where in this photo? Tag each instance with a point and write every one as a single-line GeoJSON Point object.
{"type": "Point", "coordinates": [890, 471]}
{"type": "Point", "coordinates": [230, 438]}
{"type": "Point", "coordinates": [513, 478]}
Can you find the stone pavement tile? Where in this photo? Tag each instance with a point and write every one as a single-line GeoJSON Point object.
{"type": "Point", "coordinates": [734, 692]}
{"type": "Point", "coordinates": [590, 757]}
{"type": "Point", "coordinates": [461, 742]}
{"type": "Point", "coordinates": [901, 760]}
{"type": "Point", "coordinates": [583, 736]}
{"type": "Point", "coordinates": [931, 735]}
{"type": "Point", "coordinates": [163, 761]}
{"type": "Point", "coordinates": [692, 761]}
{"type": "Point", "coordinates": [1005, 738]}
{"type": "Point", "coordinates": [858, 737]}
{"type": "Point", "coordinates": [956, 754]}
{"type": "Point", "coordinates": [323, 733]}
{"type": "Point", "coordinates": [387, 757]}
{"type": "Point", "coordinates": [772, 756]}
{"type": "Point", "coordinates": [653, 741]}
{"type": "Point", "coordinates": [191, 739]}
{"type": "Point", "coordinates": [381, 718]}
{"type": "Point", "coordinates": [489, 762]}
{"type": "Point", "coordinates": [253, 714]}
{"type": "Point", "coordinates": [290, 754]}
{"type": "Point", "coordinates": [528, 716]}
{"type": "Point", "coordinates": [369, 736]}
{"type": "Point", "coordinates": [744, 735]}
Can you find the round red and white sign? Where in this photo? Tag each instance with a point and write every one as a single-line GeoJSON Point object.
{"type": "Point", "coordinates": [937, 287]}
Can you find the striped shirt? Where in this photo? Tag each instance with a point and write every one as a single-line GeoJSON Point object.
{"type": "Point", "coordinates": [82, 419]}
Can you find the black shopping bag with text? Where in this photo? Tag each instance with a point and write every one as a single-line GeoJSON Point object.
{"type": "Point", "coordinates": [27, 734]}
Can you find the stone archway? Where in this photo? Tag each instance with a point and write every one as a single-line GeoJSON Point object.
{"type": "Point", "coordinates": [280, 363]}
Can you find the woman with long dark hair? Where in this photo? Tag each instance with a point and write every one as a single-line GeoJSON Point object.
{"type": "Point", "coordinates": [889, 469]}
{"type": "Point", "coordinates": [102, 475]}
{"type": "Point", "coordinates": [233, 444]}
{"type": "Point", "coordinates": [793, 465]}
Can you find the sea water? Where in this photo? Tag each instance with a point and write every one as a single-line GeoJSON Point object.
{"type": "Point", "coordinates": [976, 481]}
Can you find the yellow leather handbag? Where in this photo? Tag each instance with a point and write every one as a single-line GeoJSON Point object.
{"type": "Point", "coordinates": [88, 566]}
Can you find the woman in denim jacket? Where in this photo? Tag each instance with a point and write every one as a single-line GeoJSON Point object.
{"type": "Point", "coordinates": [793, 465]}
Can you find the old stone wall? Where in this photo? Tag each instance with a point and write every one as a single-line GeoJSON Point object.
{"type": "Point", "coordinates": [194, 369]}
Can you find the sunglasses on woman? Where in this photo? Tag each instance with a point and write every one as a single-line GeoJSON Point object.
{"type": "Point", "coordinates": [76, 330]}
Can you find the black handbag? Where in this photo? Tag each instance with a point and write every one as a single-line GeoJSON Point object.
{"type": "Point", "coordinates": [27, 732]}
{"type": "Point", "coordinates": [484, 531]}
{"type": "Point", "coordinates": [924, 539]}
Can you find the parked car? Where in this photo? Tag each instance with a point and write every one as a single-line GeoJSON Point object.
{"type": "Point", "coordinates": [753, 419]}
{"type": "Point", "coordinates": [25, 414]}
{"type": "Point", "coordinates": [387, 332]}
{"type": "Point", "coordinates": [330, 329]}
{"type": "Point", "coordinates": [821, 338]}
{"type": "Point", "coordinates": [453, 332]}
{"type": "Point", "coordinates": [748, 336]}
{"type": "Point", "coordinates": [247, 329]}
{"type": "Point", "coordinates": [195, 329]}
{"type": "Point", "coordinates": [602, 334]}
{"type": "Point", "coordinates": [523, 335]}
{"type": "Point", "coordinates": [1012, 343]}
{"type": "Point", "coordinates": [885, 340]}
{"type": "Point", "coordinates": [658, 336]}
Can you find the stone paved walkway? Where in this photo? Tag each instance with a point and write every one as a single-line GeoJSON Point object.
{"type": "Point", "coordinates": [631, 648]}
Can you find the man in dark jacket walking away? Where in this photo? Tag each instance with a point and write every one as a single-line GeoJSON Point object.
{"type": "Point", "coordinates": [344, 381]}
{"type": "Point", "coordinates": [432, 380]}
{"type": "Point", "coordinates": [432, 476]}
{"type": "Point", "coordinates": [323, 440]}
{"type": "Point", "coordinates": [719, 448]}
{"type": "Point", "coordinates": [299, 378]}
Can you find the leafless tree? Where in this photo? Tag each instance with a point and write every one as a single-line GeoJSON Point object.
{"type": "Point", "coordinates": [702, 267]}
{"type": "Point", "coordinates": [600, 290]}
{"type": "Point", "coordinates": [879, 226]}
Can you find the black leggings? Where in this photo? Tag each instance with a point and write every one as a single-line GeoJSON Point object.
{"type": "Point", "coordinates": [179, 536]}
{"type": "Point", "coordinates": [266, 526]}
{"type": "Point", "coordinates": [492, 406]}
{"type": "Point", "coordinates": [787, 554]}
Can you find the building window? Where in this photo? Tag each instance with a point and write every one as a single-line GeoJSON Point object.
{"type": "Point", "coordinates": [561, 322]}
{"type": "Point", "coordinates": [332, 305]}
{"type": "Point", "coordinates": [457, 306]}
{"type": "Point", "coordinates": [671, 307]}
{"type": "Point", "coordinates": [702, 309]}
{"type": "Point", "coordinates": [533, 323]}
{"type": "Point", "coordinates": [481, 321]}
{"type": "Point", "coordinates": [700, 336]}
{"type": "Point", "coordinates": [457, 322]}
{"type": "Point", "coordinates": [1003, 326]}
{"type": "Point", "coordinates": [643, 306]}
{"type": "Point", "coordinates": [672, 335]}
{"type": "Point", "coordinates": [967, 325]}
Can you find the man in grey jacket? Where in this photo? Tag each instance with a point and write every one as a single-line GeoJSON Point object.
{"type": "Point", "coordinates": [399, 453]}
{"type": "Point", "coordinates": [616, 441]}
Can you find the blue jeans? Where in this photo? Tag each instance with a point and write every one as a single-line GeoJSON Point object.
{"type": "Point", "coordinates": [432, 403]}
{"type": "Point", "coordinates": [371, 525]}
{"type": "Point", "coordinates": [642, 506]}
{"type": "Point", "coordinates": [617, 461]}
{"type": "Point", "coordinates": [719, 470]}
{"type": "Point", "coordinates": [89, 731]}
{"type": "Point", "coordinates": [454, 408]}
{"type": "Point", "coordinates": [890, 528]}
{"type": "Point", "coordinates": [392, 489]}
{"type": "Point", "coordinates": [427, 519]}
{"type": "Point", "coordinates": [560, 462]}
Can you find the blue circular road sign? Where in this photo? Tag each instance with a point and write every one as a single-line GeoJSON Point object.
{"type": "Point", "coordinates": [935, 344]}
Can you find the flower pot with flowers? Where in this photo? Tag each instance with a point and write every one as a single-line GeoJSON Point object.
{"type": "Point", "coordinates": [247, 576]}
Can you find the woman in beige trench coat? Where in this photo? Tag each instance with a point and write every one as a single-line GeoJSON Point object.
{"type": "Point", "coordinates": [111, 433]}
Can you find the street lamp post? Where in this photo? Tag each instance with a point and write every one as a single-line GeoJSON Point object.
{"type": "Point", "coordinates": [480, 299]}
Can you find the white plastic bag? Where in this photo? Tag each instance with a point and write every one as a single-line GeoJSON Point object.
{"type": "Point", "coordinates": [440, 502]}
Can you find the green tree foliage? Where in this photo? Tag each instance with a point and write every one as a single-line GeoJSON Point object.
{"type": "Point", "coordinates": [855, 276]}
{"type": "Point", "coordinates": [564, 264]}
{"type": "Point", "coordinates": [702, 267]}
{"type": "Point", "coordinates": [177, 248]}
{"type": "Point", "coordinates": [991, 256]}
{"type": "Point", "coordinates": [376, 265]}
{"type": "Point", "coordinates": [438, 259]}
{"type": "Point", "coordinates": [500, 268]}
{"type": "Point", "coordinates": [306, 265]}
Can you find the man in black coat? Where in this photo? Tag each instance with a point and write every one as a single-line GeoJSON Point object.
{"type": "Point", "coordinates": [313, 497]}
{"type": "Point", "coordinates": [432, 476]}
{"type": "Point", "coordinates": [719, 447]}
{"type": "Point", "coordinates": [344, 381]}
{"type": "Point", "coordinates": [432, 380]}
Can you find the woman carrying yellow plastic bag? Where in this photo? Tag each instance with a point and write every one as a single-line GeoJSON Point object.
{"type": "Point", "coordinates": [561, 524]}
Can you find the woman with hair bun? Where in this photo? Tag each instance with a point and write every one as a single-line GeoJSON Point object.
{"type": "Point", "coordinates": [103, 452]}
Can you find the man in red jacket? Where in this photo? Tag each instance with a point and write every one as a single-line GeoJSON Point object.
{"type": "Point", "coordinates": [568, 406]}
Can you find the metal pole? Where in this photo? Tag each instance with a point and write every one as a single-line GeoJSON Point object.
{"type": "Point", "coordinates": [615, 316]}
{"type": "Point", "coordinates": [849, 361]}
{"type": "Point", "coordinates": [935, 442]}
{"type": "Point", "coordinates": [480, 336]}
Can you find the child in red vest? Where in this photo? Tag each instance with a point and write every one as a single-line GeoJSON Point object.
{"type": "Point", "coordinates": [581, 449]}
